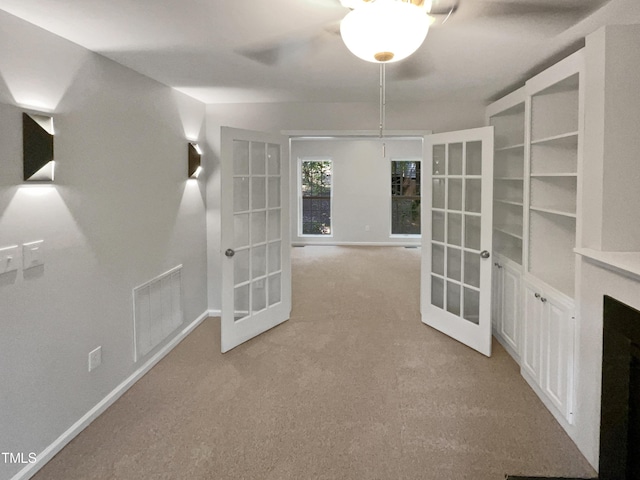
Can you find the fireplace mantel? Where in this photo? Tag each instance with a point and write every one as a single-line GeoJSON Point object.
{"type": "Point", "coordinates": [625, 263]}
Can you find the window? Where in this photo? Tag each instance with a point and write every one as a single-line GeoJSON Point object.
{"type": "Point", "coordinates": [315, 195]}
{"type": "Point", "coordinates": [405, 197]}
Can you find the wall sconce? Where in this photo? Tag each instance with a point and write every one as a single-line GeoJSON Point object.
{"type": "Point", "coordinates": [195, 157]}
{"type": "Point", "coordinates": [37, 148]}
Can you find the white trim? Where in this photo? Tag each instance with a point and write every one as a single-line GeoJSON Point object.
{"type": "Point", "coordinates": [215, 312]}
{"type": "Point", "coordinates": [358, 244]}
{"type": "Point", "coordinates": [390, 195]}
{"type": "Point", "coordinates": [84, 421]}
{"type": "Point", "coordinates": [315, 134]}
{"type": "Point", "coordinates": [313, 158]}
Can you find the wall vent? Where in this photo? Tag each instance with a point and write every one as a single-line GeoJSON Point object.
{"type": "Point", "coordinates": [157, 310]}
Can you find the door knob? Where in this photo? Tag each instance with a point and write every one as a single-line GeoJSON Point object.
{"type": "Point", "coordinates": [485, 254]}
{"type": "Point", "coordinates": [229, 252]}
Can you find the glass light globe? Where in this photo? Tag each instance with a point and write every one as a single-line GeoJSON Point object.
{"type": "Point", "coordinates": [385, 31]}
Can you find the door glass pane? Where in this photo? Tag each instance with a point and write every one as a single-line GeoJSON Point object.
{"type": "Point", "coordinates": [259, 261]}
{"type": "Point", "coordinates": [274, 260]}
{"type": "Point", "coordinates": [241, 302]}
{"type": "Point", "coordinates": [438, 226]}
{"type": "Point", "coordinates": [473, 197]}
{"type": "Point", "coordinates": [259, 294]}
{"type": "Point", "coordinates": [437, 292]}
{"type": "Point", "coordinates": [274, 224]}
{"type": "Point", "coordinates": [472, 305]}
{"type": "Point", "coordinates": [472, 268]}
{"type": "Point", "coordinates": [273, 159]}
{"type": "Point", "coordinates": [454, 264]}
{"type": "Point", "coordinates": [275, 289]}
{"type": "Point", "coordinates": [437, 259]}
{"type": "Point", "coordinates": [241, 267]}
{"type": "Point", "coordinates": [240, 194]}
{"type": "Point", "coordinates": [258, 227]}
{"type": "Point", "coordinates": [258, 160]}
{"type": "Point", "coordinates": [240, 157]}
{"type": "Point", "coordinates": [455, 159]}
{"type": "Point", "coordinates": [455, 194]}
{"type": "Point", "coordinates": [274, 192]}
{"type": "Point", "coordinates": [438, 192]}
{"type": "Point", "coordinates": [474, 158]}
{"type": "Point", "coordinates": [241, 230]}
{"type": "Point", "coordinates": [439, 159]}
{"type": "Point", "coordinates": [454, 229]}
{"type": "Point", "coordinates": [453, 298]}
{"type": "Point", "coordinates": [472, 232]}
{"type": "Point", "coordinates": [258, 192]}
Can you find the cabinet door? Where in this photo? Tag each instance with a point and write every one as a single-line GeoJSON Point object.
{"type": "Point", "coordinates": [510, 314]}
{"type": "Point", "coordinates": [557, 357]}
{"type": "Point", "coordinates": [496, 296]}
{"type": "Point", "coordinates": [532, 309]}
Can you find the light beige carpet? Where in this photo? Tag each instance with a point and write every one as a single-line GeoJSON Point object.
{"type": "Point", "coordinates": [353, 386]}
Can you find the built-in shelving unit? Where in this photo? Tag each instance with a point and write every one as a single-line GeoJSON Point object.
{"type": "Point", "coordinates": [553, 180]}
{"type": "Point", "coordinates": [537, 171]}
{"type": "Point", "coordinates": [508, 120]}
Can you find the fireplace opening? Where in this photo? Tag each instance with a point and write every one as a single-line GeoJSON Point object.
{"type": "Point", "coordinates": [620, 411]}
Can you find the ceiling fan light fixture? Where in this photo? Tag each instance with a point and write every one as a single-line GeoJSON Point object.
{"type": "Point", "coordinates": [385, 31]}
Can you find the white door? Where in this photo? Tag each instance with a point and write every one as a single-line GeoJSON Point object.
{"type": "Point", "coordinates": [256, 258]}
{"type": "Point", "coordinates": [457, 220]}
{"type": "Point", "coordinates": [510, 314]}
{"type": "Point", "coordinates": [532, 313]}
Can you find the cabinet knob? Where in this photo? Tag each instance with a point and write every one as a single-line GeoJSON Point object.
{"type": "Point", "coordinates": [229, 252]}
{"type": "Point", "coordinates": [485, 254]}
{"type": "Point", "coordinates": [543, 300]}
{"type": "Point", "coordinates": [537, 295]}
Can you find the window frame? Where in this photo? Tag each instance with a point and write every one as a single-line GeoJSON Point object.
{"type": "Point", "coordinates": [301, 160]}
{"type": "Point", "coordinates": [416, 160]}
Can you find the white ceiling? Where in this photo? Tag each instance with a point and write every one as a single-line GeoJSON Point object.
{"type": "Point", "coordinates": [223, 51]}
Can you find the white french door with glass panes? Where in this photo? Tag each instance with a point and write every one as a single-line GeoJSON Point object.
{"type": "Point", "coordinates": [256, 259]}
{"type": "Point", "coordinates": [456, 240]}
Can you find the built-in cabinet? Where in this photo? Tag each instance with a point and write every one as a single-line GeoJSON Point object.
{"type": "Point", "coordinates": [548, 330]}
{"type": "Point", "coordinates": [506, 304]}
{"type": "Point", "coordinates": [536, 181]}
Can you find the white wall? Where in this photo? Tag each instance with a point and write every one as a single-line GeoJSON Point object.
{"type": "Point", "coordinates": [119, 213]}
{"type": "Point", "coordinates": [277, 118]}
{"type": "Point", "coordinates": [361, 189]}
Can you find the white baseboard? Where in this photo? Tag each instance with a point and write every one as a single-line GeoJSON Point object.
{"type": "Point", "coordinates": [215, 313]}
{"type": "Point", "coordinates": [358, 244]}
{"type": "Point", "coordinates": [49, 452]}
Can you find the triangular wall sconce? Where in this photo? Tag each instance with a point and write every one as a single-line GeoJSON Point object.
{"type": "Point", "coordinates": [195, 159]}
{"type": "Point", "coordinates": [37, 147]}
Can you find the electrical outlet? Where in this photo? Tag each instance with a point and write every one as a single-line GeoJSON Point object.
{"type": "Point", "coordinates": [95, 358]}
{"type": "Point", "coordinates": [8, 259]}
{"type": "Point", "coordinates": [32, 255]}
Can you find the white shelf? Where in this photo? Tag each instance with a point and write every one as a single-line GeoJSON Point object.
{"type": "Point", "coordinates": [507, 230]}
{"type": "Point", "coordinates": [517, 146]}
{"type": "Point", "coordinates": [567, 140]}
{"type": "Point", "coordinates": [540, 175]}
{"type": "Point", "coordinates": [509, 202]}
{"type": "Point", "coordinates": [553, 211]}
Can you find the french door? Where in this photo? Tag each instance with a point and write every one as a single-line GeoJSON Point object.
{"type": "Point", "coordinates": [456, 240]}
{"type": "Point", "coordinates": [256, 259]}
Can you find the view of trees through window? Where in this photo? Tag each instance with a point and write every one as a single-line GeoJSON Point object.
{"type": "Point", "coordinates": [405, 197]}
{"type": "Point", "coordinates": [316, 197]}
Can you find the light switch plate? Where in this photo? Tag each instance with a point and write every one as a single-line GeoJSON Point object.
{"type": "Point", "coordinates": [9, 259]}
{"type": "Point", "coordinates": [32, 254]}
